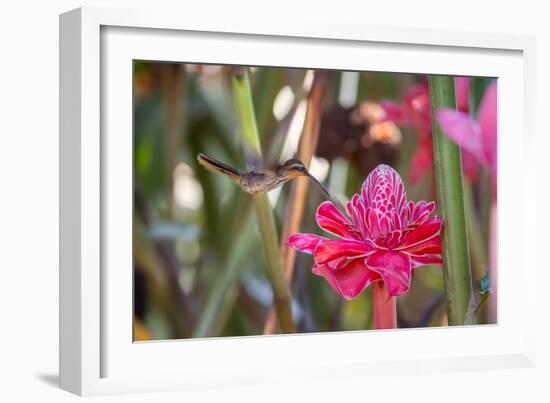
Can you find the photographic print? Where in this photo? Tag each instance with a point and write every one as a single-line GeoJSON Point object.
{"type": "Point", "coordinates": [274, 200]}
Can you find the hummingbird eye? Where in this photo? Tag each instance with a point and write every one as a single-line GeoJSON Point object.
{"type": "Point", "coordinates": [295, 165]}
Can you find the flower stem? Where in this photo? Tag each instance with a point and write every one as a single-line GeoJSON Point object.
{"type": "Point", "coordinates": [264, 214]}
{"type": "Point", "coordinates": [384, 307]}
{"type": "Point", "coordinates": [450, 198]}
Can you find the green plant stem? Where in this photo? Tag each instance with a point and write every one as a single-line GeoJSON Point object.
{"type": "Point", "coordinates": [264, 214]}
{"type": "Point", "coordinates": [450, 198]}
{"type": "Point", "coordinates": [247, 119]}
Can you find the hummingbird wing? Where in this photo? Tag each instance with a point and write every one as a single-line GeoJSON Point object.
{"type": "Point", "coordinates": [217, 166]}
{"type": "Point", "coordinates": [277, 153]}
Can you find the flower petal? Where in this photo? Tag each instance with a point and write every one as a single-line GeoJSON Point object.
{"type": "Point", "coordinates": [394, 112]}
{"type": "Point", "coordinates": [469, 165]}
{"type": "Point", "coordinates": [417, 105]}
{"type": "Point", "coordinates": [336, 253]}
{"type": "Point", "coordinates": [487, 118]}
{"type": "Point", "coordinates": [349, 281]}
{"type": "Point", "coordinates": [393, 239]}
{"type": "Point", "coordinates": [356, 211]}
{"type": "Point", "coordinates": [421, 234]}
{"type": "Point", "coordinates": [384, 186]}
{"type": "Point", "coordinates": [407, 214]}
{"type": "Point", "coordinates": [421, 161]}
{"type": "Point", "coordinates": [421, 212]}
{"type": "Point", "coordinates": [395, 269]}
{"type": "Point", "coordinates": [372, 223]}
{"type": "Point", "coordinates": [332, 220]}
{"type": "Point", "coordinates": [461, 129]}
{"type": "Point", "coordinates": [430, 247]}
{"type": "Point", "coordinates": [304, 242]}
{"type": "Point", "coordinates": [462, 85]}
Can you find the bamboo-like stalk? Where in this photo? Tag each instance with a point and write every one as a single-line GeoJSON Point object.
{"type": "Point", "coordinates": [384, 307]}
{"type": "Point", "coordinates": [450, 198]}
{"type": "Point", "coordinates": [264, 214]}
{"type": "Point", "coordinates": [299, 188]}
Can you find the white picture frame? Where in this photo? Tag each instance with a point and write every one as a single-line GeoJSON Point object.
{"type": "Point", "coordinates": [96, 355]}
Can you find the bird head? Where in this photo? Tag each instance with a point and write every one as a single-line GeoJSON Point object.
{"type": "Point", "coordinates": [293, 168]}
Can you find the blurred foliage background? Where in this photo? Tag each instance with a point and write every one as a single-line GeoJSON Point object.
{"type": "Point", "coordinates": [199, 268]}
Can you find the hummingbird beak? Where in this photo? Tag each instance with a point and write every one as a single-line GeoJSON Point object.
{"type": "Point", "coordinates": [320, 185]}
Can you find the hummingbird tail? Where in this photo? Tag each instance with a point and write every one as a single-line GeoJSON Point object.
{"type": "Point", "coordinates": [216, 166]}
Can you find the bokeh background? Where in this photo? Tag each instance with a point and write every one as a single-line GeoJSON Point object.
{"type": "Point", "coordinates": [199, 266]}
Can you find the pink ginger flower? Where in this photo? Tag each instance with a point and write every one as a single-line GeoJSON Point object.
{"type": "Point", "coordinates": [385, 238]}
{"type": "Point", "coordinates": [414, 111]}
{"type": "Point", "coordinates": [477, 136]}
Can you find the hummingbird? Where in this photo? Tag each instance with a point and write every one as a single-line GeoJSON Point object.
{"type": "Point", "coordinates": [258, 182]}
